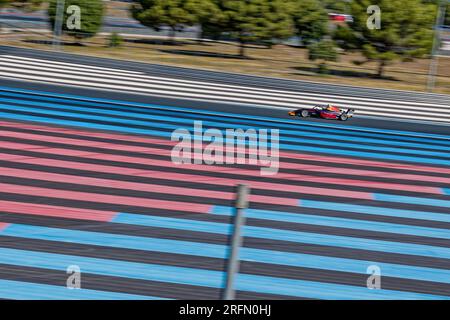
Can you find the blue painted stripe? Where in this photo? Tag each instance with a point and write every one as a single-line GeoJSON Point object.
{"type": "Point", "coordinates": [10, 115]}
{"type": "Point", "coordinates": [199, 277]}
{"type": "Point", "coordinates": [295, 123]}
{"type": "Point", "coordinates": [219, 251]}
{"type": "Point", "coordinates": [287, 235]}
{"type": "Point", "coordinates": [217, 123]}
{"type": "Point", "coordinates": [412, 200]}
{"type": "Point", "coordinates": [17, 290]}
{"type": "Point", "coordinates": [190, 123]}
{"type": "Point", "coordinates": [400, 213]}
{"type": "Point", "coordinates": [446, 191]}
{"type": "Point", "coordinates": [198, 114]}
{"type": "Point", "coordinates": [337, 222]}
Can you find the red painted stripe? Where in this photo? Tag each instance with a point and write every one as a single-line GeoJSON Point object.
{"type": "Point", "coordinates": [85, 143]}
{"type": "Point", "coordinates": [283, 154]}
{"type": "Point", "coordinates": [30, 174]}
{"type": "Point", "coordinates": [3, 225]}
{"type": "Point", "coordinates": [189, 177]}
{"type": "Point", "coordinates": [104, 198]}
{"type": "Point", "coordinates": [295, 177]}
{"type": "Point", "coordinates": [56, 211]}
{"type": "Point", "coordinates": [245, 172]}
{"type": "Point", "coordinates": [366, 173]}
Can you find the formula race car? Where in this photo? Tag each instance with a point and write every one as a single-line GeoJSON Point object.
{"type": "Point", "coordinates": [324, 112]}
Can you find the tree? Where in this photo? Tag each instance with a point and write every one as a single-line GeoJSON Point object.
{"type": "Point", "coordinates": [175, 14]}
{"type": "Point", "coordinates": [255, 21]}
{"type": "Point", "coordinates": [91, 17]}
{"type": "Point", "coordinates": [323, 51]}
{"type": "Point", "coordinates": [310, 20]}
{"type": "Point", "coordinates": [406, 30]}
{"type": "Point", "coordinates": [207, 15]}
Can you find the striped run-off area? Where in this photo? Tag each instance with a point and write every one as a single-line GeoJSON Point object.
{"type": "Point", "coordinates": [84, 75]}
{"type": "Point", "coordinates": [90, 182]}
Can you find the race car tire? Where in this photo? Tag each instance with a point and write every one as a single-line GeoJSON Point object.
{"type": "Point", "coordinates": [304, 113]}
{"type": "Point", "coordinates": [343, 117]}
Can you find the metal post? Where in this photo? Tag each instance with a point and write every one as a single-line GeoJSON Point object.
{"type": "Point", "coordinates": [236, 242]}
{"type": "Point", "coordinates": [436, 44]}
{"type": "Point", "coordinates": [59, 19]}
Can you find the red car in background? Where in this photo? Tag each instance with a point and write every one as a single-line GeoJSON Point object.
{"type": "Point", "coordinates": [324, 112]}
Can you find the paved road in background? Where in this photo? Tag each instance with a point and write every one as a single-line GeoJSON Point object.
{"type": "Point", "coordinates": [87, 179]}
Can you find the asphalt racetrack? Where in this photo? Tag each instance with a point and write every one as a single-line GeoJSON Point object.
{"type": "Point", "coordinates": [87, 180]}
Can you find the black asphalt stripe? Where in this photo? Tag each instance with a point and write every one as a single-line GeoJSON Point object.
{"type": "Point", "coordinates": [152, 126]}
{"type": "Point", "coordinates": [126, 285]}
{"type": "Point", "coordinates": [262, 269]}
{"type": "Point", "coordinates": [231, 120]}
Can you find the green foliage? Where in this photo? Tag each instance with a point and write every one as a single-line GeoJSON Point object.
{"type": "Point", "coordinates": [91, 17]}
{"type": "Point", "coordinates": [346, 38]}
{"type": "Point", "coordinates": [115, 40]}
{"type": "Point", "coordinates": [255, 20]}
{"type": "Point", "coordinates": [175, 14]}
{"type": "Point", "coordinates": [406, 30]}
{"type": "Point", "coordinates": [323, 51]}
{"type": "Point", "coordinates": [310, 20]}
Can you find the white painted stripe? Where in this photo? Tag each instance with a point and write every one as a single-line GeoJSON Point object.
{"type": "Point", "coordinates": [80, 75]}
{"type": "Point", "coordinates": [213, 99]}
{"type": "Point", "coordinates": [55, 68]}
{"type": "Point", "coordinates": [290, 96]}
{"type": "Point", "coordinates": [196, 93]}
{"type": "Point", "coordinates": [67, 64]}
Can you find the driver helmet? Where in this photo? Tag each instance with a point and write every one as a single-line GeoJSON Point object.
{"type": "Point", "coordinates": [331, 108]}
